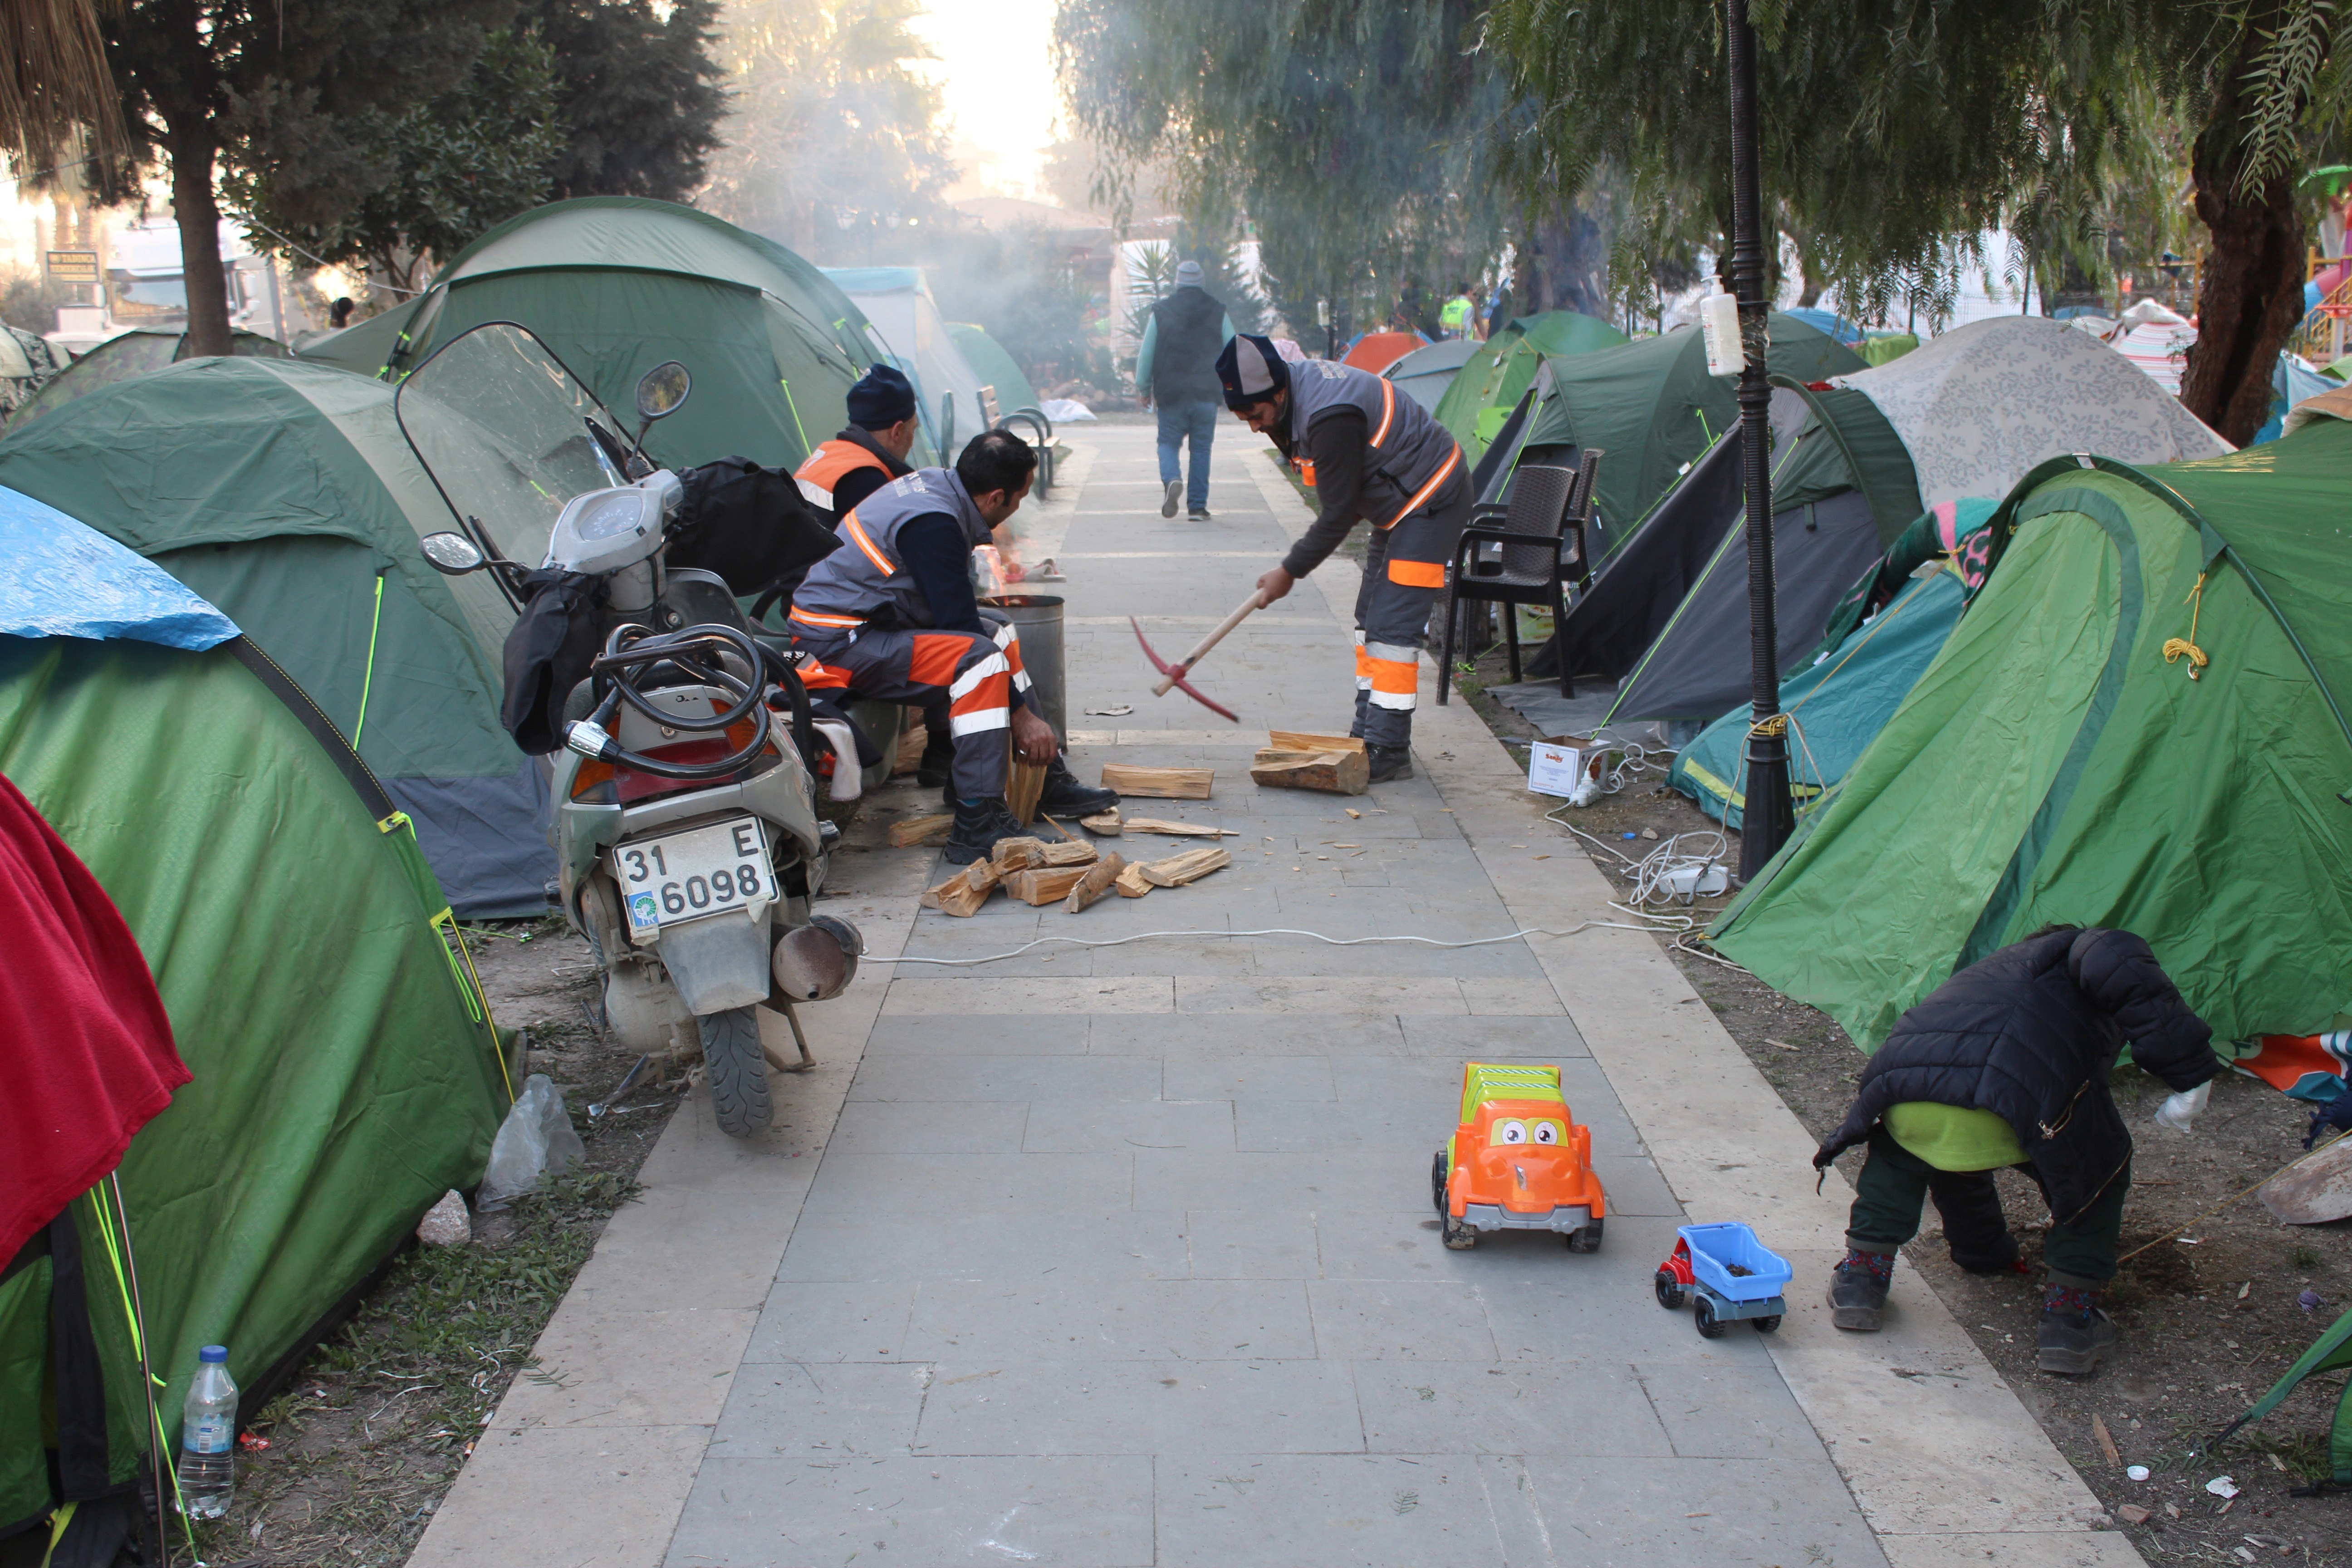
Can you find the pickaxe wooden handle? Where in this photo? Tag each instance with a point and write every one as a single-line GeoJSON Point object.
{"type": "Point", "coordinates": [1183, 666]}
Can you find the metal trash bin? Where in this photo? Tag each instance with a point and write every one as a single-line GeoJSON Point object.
{"type": "Point", "coordinates": [1037, 621]}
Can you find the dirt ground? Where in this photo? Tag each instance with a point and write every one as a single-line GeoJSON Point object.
{"type": "Point", "coordinates": [363, 1443]}
{"type": "Point", "coordinates": [2209, 1319]}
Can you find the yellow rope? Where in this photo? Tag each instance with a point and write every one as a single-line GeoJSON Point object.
{"type": "Point", "coordinates": [2176, 647]}
{"type": "Point", "coordinates": [1778, 724]}
{"type": "Point", "coordinates": [2233, 1197]}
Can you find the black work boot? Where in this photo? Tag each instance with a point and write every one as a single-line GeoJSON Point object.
{"type": "Point", "coordinates": [1065, 795]}
{"type": "Point", "coordinates": [1390, 763]}
{"type": "Point", "coordinates": [938, 755]}
{"type": "Point", "coordinates": [1857, 1294]}
{"type": "Point", "coordinates": [2075, 1334]}
{"type": "Point", "coordinates": [979, 824]}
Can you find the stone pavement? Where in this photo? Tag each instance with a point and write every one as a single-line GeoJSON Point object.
{"type": "Point", "coordinates": [1124, 1255]}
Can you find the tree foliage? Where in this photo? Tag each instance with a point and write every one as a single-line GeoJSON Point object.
{"type": "Point", "coordinates": [832, 116]}
{"type": "Point", "coordinates": [638, 95]}
{"type": "Point", "coordinates": [54, 87]}
{"type": "Point", "coordinates": [1353, 133]}
{"type": "Point", "coordinates": [460, 165]}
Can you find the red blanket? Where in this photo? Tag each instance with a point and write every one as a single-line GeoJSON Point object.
{"type": "Point", "coordinates": [86, 1053]}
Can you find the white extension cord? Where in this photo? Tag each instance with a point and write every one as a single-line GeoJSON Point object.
{"type": "Point", "coordinates": [1668, 922]}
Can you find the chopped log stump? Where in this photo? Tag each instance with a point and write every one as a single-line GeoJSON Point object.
{"type": "Point", "coordinates": [1161, 783]}
{"type": "Point", "coordinates": [1042, 885]}
{"type": "Point", "coordinates": [1071, 852]}
{"type": "Point", "coordinates": [913, 738]}
{"type": "Point", "coordinates": [1131, 882]}
{"type": "Point", "coordinates": [1106, 825]}
{"type": "Point", "coordinates": [1301, 741]}
{"type": "Point", "coordinates": [1095, 883]}
{"type": "Point", "coordinates": [1023, 786]}
{"type": "Point", "coordinates": [1181, 829]}
{"type": "Point", "coordinates": [1013, 854]}
{"type": "Point", "coordinates": [1189, 867]}
{"type": "Point", "coordinates": [1334, 772]}
{"type": "Point", "coordinates": [912, 830]}
{"type": "Point", "coordinates": [962, 894]}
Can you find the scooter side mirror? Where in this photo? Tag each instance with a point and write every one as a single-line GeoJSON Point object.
{"type": "Point", "coordinates": [663, 390]}
{"type": "Point", "coordinates": [453, 553]}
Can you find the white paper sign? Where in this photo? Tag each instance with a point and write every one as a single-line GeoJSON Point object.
{"type": "Point", "coordinates": [1553, 767]}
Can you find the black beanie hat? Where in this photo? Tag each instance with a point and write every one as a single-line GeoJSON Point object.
{"type": "Point", "coordinates": [1250, 371]}
{"type": "Point", "coordinates": [882, 397]}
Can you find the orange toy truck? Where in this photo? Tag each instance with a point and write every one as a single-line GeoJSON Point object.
{"type": "Point", "coordinates": [1517, 1162]}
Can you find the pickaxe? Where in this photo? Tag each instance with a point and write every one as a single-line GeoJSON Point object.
{"type": "Point", "coordinates": [1175, 673]}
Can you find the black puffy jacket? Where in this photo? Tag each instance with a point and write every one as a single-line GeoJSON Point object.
{"type": "Point", "coordinates": [2031, 1034]}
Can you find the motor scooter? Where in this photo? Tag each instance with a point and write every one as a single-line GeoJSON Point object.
{"type": "Point", "coordinates": [687, 844]}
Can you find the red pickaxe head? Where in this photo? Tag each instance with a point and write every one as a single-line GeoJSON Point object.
{"type": "Point", "coordinates": [1175, 674]}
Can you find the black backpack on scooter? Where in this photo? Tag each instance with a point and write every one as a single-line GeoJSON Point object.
{"type": "Point", "coordinates": [748, 524]}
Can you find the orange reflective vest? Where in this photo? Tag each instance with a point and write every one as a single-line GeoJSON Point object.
{"type": "Point", "coordinates": [829, 465]}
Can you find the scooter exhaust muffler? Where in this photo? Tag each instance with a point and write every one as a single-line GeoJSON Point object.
{"type": "Point", "coordinates": [815, 962]}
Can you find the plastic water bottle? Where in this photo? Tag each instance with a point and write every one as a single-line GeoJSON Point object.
{"type": "Point", "coordinates": [208, 1437]}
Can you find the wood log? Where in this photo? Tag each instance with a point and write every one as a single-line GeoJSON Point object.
{"type": "Point", "coordinates": [1163, 783]}
{"type": "Point", "coordinates": [1334, 772]}
{"type": "Point", "coordinates": [1130, 881]}
{"type": "Point", "coordinates": [931, 829]}
{"type": "Point", "coordinates": [1302, 741]}
{"type": "Point", "coordinates": [1044, 884]}
{"type": "Point", "coordinates": [1106, 824]}
{"type": "Point", "coordinates": [1095, 883]}
{"type": "Point", "coordinates": [1012, 854]}
{"type": "Point", "coordinates": [1182, 829]}
{"type": "Point", "coordinates": [983, 874]}
{"type": "Point", "coordinates": [1189, 867]}
{"type": "Point", "coordinates": [1071, 852]}
{"type": "Point", "coordinates": [961, 894]}
{"type": "Point", "coordinates": [1023, 784]}
{"type": "Point", "coordinates": [913, 738]}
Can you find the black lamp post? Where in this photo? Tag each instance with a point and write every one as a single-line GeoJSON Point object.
{"type": "Point", "coordinates": [1766, 821]}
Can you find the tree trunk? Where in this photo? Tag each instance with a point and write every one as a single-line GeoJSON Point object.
{"type": "Point", "coordinates": [2250, 297]}
{"type": "Point", "coordinates": [192, 146]}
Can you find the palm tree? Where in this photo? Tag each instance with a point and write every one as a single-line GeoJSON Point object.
{"type": "Point", "coordinates": [55, 87]}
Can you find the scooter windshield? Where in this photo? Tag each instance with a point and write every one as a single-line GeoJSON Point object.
{"type": "Point", "coordinates": [502, 426]}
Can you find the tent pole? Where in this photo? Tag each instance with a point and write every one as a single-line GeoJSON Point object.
{"type": "Point", "coordinates": [1767, 820]}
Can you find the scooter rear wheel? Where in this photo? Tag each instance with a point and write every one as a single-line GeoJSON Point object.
{"type": "Point", "coordinates": [738, 1071]}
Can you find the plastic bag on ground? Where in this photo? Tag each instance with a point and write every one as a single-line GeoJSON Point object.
{"type": "Point", "coordinates": [535, 1138]}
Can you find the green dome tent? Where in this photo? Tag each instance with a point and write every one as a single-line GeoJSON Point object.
{"type": "Point", "coordinates": [995, 367]}
{"type": "Point", "coordinates": [344, 1069]}
{"type": "Point", "coordinates": [2053, 763]}
{"type": "Point", "coordinates": [904, 321]}
{"type": "Point", "coordinates": [285, 493]}
{"type": "Point", "coordinates": [615, 285]}
{"type": "Point", "coordinates": [1499, 371]}
{"type": "Point", "coordinates": [119, 358]}
{"type": "Point", "coordinates": [1427, 372]}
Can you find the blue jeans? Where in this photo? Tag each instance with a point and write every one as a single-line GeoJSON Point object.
{"type": "Point", "coordinates": [1196, 418]}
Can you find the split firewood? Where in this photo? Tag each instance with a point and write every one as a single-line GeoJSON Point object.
{"type": "Point", "coordinates": [1071, 852]}
{"type": "Point", "coordinates": [1130, 881]}
{"type": "Point", "coordinates": [1334, 772]}
{"type": "Point", "coordinates": [963, 893]}
{"type": "Point", "coordinates": [1095, 883]}
{"type": "Point", "coordinates": [1106, 824]}
{"type": "Point", "coordinates": [1165, 783]}
{"type": "Point", "coordinates": [1024, 784]}
{"type": "Point", "coordinates": [1302, 741]}
{"type": "Point", "coordinates": [1189, 867]}
{"type": "Point", "coordinates": [1042, 885]}
{"type": "Point", "coordinates": [984, 874]}
{"type": "Point", "coordinates": [913, 738]}
{"type": "Point", "coordinates": [1012, 854]}
{"type": "Point", "coordinates": [1181, 829]}
{"type": "Point", "coordinates": [931, 829]}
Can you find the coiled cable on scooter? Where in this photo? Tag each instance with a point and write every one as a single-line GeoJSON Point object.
{"type": "Point", "coordinates": [632, 649]}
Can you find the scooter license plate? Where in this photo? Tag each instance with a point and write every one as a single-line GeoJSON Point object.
{"type": "Point", "coordinates": [675, 878]}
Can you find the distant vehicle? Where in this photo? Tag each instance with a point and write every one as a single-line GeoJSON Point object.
{"type": "Point", "coordinates": [146, 285]}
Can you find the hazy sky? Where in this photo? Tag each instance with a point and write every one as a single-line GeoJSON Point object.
{"type": "Point", "coordinates": [996, 70]}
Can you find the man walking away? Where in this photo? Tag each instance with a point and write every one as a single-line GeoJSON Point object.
{"type": "Point", "coordinates": [1374, 455]}
{"type": "Point", "coordinates": [867, 455]}
{"type": "Point", "coordinates": [2007, 1063]}
{"type": "Point", "coordinates": [1454, 319]}
{"type": "Point", "coordinates": [1176, 367]}
{"type": "Point", "coordinates": [890, 616]}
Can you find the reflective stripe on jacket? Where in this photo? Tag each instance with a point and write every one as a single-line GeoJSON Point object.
{"type": "Point", "coordinates": [844, 590]}
{"type": "Point", "coordinates": [828, 465]}
{"type": "Point", "coordinates": [1409, 453]}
